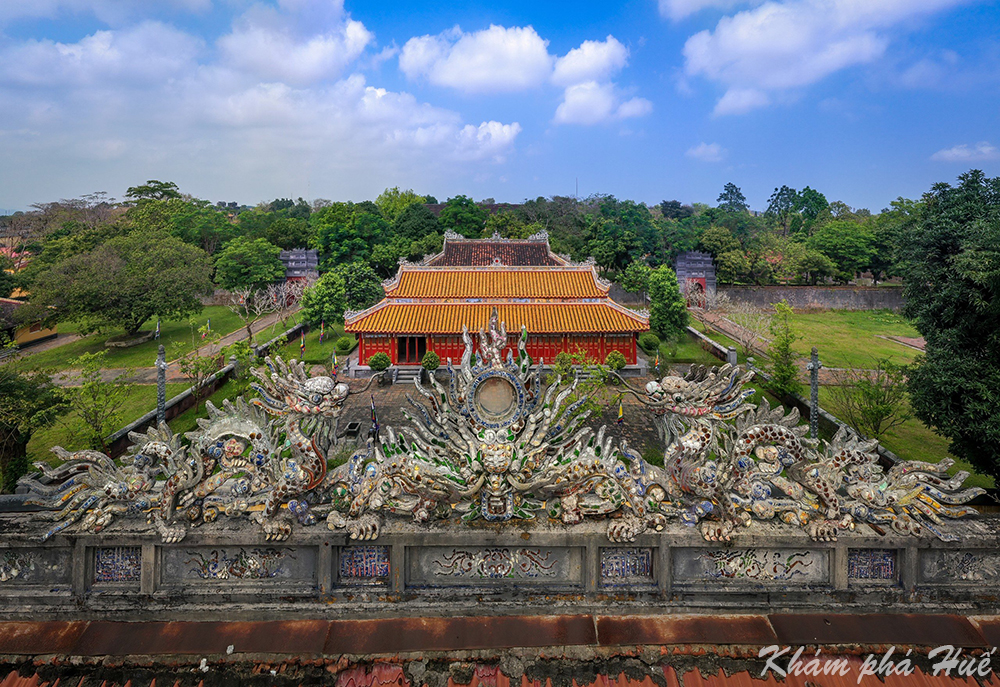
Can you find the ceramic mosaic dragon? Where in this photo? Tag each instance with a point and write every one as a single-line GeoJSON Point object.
{"type": "Point", "coordinates": [493, 443]}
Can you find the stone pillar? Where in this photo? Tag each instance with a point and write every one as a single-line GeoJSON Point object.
{"type": "Point", "coordinates": [813, 366]}
{"type": "Point", "coordinates": [731, 356]}
{"type": "Point", "coordinates": [161, 386]}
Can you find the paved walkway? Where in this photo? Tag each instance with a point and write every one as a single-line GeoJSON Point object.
{"type": "Point", "coordinates": [147, 375]}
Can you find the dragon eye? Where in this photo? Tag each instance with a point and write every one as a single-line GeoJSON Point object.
{"type": "Point", "coordinates": [678, 398]}
{"type": "Point", "coordinates": [317, 398]}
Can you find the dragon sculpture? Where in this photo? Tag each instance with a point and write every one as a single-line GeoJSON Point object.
{"type": "Point", "coordinates": [498, 442]}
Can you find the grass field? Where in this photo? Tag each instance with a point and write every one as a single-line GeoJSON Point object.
{"type": "Point", "coordinates": [62, 433]}
{"type": "Point", "coordinates": [847, 338]}
{"type": "Point", "coordinates": [315, 353]}
{"type": "Point", "coordinates": [178, 338]}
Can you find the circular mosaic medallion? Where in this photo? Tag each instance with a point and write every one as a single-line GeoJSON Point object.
{"type": "Point", "coordinates": [496, 400]}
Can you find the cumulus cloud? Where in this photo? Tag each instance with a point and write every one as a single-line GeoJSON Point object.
{"type": "Point", "coordinates": [300, 41]}
{"type": "Point", "coordinates": [592, 61]}
{"type": "Point", "coordinates": [979, 152]}
{"type": "Point", "coordinates": [679, 9]}
{"type": "Point", "coordinates": [707, 152]}
{"type": "Point", "coordinates": [594, 103]}
{"type": "Point", "coordinates": [151, 101]}
{"type": "Point", "coordinates": [491, 60]}
{"type": "Point", "coordinates": [784, 45]}
{"type": "Point", "coordinates": [108, 11]}
{"type": "Point", "coordinates": [145, 53]}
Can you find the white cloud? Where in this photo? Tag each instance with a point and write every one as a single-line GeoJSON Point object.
{"type": "Point", "coordinates": [147, 53]}
{"type": "Point", "coordinates": [979, 152]}
{"type": "Point", "coordinates": [592, 61]}
{"type": "Point", "coordinates": [784, 45]}
{"type": "Point", "coordinates": [108, 11]}
{"type": "Point", "coordinates": [707, 152]}
{"type": "Point", "coordinates": [496, 59]}
{"type": "Point", "coordinates": [594, 103]}
{"type": "Point", "coordinates": [679, 9]}
{"type": "Point", "coordinates": [740, 101]}
{"type": "Point", "coordinates": [300, 42]}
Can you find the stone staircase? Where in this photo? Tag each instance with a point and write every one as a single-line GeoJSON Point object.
{"type": "Point", "coordinates": [406, 375]}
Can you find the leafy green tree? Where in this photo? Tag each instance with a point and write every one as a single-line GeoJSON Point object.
{"type": "Point", "coordinates": [415, 222]}
{"type": "Point", "coordinates": [950, 263]}
{"type": "Point", "coordinates": [354, 286]}
{"type": "Point", "coordinates": [510, 225]}
{"type": "Point", "coordinates": [813, 266]}
{"type": "Point", "coordinates": [153, 190]}
{"type": "Point", "coordinates": [783, 205]}
{"type": "Point", "coordinates": [635, 278]}
{"type": "Point", "coordinates": [718, 240]}
{"type": "Point", "coordinates": [732, 199]}
{"type": "Point", "coordinates": [463, 216]}
{"type": "Point", "coordinates": [204, 360]}
{"type": "Point", "coordinates": [98, 403]}
{"type": "Point", "coordinates": [851, 246]}
{"type": "Point", "coordinates": [871, 400]}
{"type": "Point", "coordinates": [668, 311]}
{"type": "Point", "coordinates": [672, 209]}
{"type": "Point", "coordinates": [613, 245]}
{"type": "Point", "coordinates": [732, 267]}
{"type": "Point", "coordinates": [29, 401]}
{"type": "Point", "coordinates": [782, 366]}
{"type": "Point", "coordinates": [392, 201]}
{"type": "Point", "coordinates": [249, 263]}
{"type": "Point", "coordinates": [810, 204]}
{"type": "Point", "coordinates": [8, 281]}
{"type": "Point", "coordinates": [124, 282]}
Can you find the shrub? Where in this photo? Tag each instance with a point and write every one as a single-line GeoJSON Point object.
{"type": "Point", "coordinates": [615, 360]}
{"type": "Point", "coordinates": [649, 342]}
{"type": "Point", "coordinates": [784, 372]}
{"type": "Point", "coordinates": [431, 361]}
{"type": "Point", "coordinates": [563, 364]}
{"type": "Point", "coordinates": [345, 344]}
{"type": "Point", "coordinates": [379, 362]}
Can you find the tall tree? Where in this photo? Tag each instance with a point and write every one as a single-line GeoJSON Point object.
{"type": "Point", "coordinates": [124, 282]}
{"type": "Point", "coordinates": [850, 245]}
{"type": "Point", "coordinates": [153, 190]}
{"type": "Point", "coordinates": [783, 205]}
{"type": "Point", "coordinates": [732, 199]}
{"type": "Point", "coordinates": [950, 263]}
{"type": "Point", "coordinates": [354, 286]}
{"type": "Point", "coordinates": [393, 201]}
{"type": "Point", "coordinates": [667, 308]}
{"type": "Point", "coordinates": [246, 262]}
{"type": "Point", "coordinates": [463, 216]}
{"type": "Point", "coordinates": [672, 209]}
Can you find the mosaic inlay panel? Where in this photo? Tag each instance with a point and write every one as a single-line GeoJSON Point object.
{"type": "Point", "coordinates": [364, 565]}
{"type": "Point", "coordinates": [871, 564]}
{"type": "Point", "coordinates": [16, 564]}
{"type": "Point", "coordinates": [118, 564]}
{"type": "Point", "coordinates": [959, 566]}
{"type": "Point", "coordinates": [449, 566]}
{"type": "Point", "coordinates": [238, 564]}
{"type": "Point", "coordinates": [762, 566]}
{"type": "Point", "coordinates": [626, 566]}
{"type": "Point", "coordinates": [35, 566]}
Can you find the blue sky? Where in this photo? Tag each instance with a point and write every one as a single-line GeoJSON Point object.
{"type": "Point", "coordinates": [864, 100]}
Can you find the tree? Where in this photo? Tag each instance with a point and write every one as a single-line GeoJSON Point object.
{"type": "Point", "coordinates": [732, 199]}
{"type": "Point", "coordinates": [753, 324]}
{"type": "Point", "coordinates": [810, 203]}
{"type": "Point", "coordinates": [782, 368]}
{"type": "Point", "coordinates": [98, 403]}
{"type": "Point", "coordinates": [29, 401]}
{"type": "Point", "coordinates": [718, 240]}
{"type": "Point", "coordinates": [416, 222]}
{"type": "Point", "coordinates": [873, 400]}
{"type": "Point", "coordinates": [851, 246]}
{"type": "Point", "coordinates": [463, 216]}
{"type": "Point", "coordinates": [635, 278]}
{"type": "Point", "coordinates": [347, 287]}
{"type": "Point", "coordinates": [152, 190]}
{"type": "Point", "coordinates": [250, 305]}
{"type": "Point", "coordinates": [732, 267]}
{"type": "Point", "coordinates": [613, 245]}
{"type": "Point", "coordinates": [813, 266]}
{"type": "Point", "coordinates": [202, 362]}
{"type": "Point", "coordinates": [246, 262]}
{"type": "Point", "coordinates": [668, 311]}
{"type": "Point", "coordinates": [124, 282]}
{"type": "Point", "coordinates": [392, 201]}
{"type": "Point", "coordinates": [950, 263]}
{"type": "Point", "coordinates": [344, 232]}
{"type": "Point", "coordinates": [672, 209]}
{"type": "Point", "coordinates": [782, 205]}
{"type": "Point", "coordinates": [8, 280]}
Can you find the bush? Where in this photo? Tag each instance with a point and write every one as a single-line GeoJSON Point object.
{"type": "Point", "coordinates": [784, 372]}
{"type": "Point", "coordinates": [615, 361]}
{"type": "Point", "coordinates": [431, 361]}
{"type": "Point", "coordinates": [345, 344]}
{"type": "Point", "coordinates": [379, 362]}
{"type": "Point", "coordinates": [563, 364]}
{"type": "Point", "coordinates": [649, 342]}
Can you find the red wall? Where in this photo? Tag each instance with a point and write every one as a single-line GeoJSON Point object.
{"type": "Point", "coordinates": [543, 347]}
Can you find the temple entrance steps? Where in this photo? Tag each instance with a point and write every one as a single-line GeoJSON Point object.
{"type": "Point", "coordinates": [406, 374]}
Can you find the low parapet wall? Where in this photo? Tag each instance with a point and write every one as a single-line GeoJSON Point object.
{"type": "Point", "coordinates": [224, 571]}
{"type": "Point", "coordinates": [819, 297]}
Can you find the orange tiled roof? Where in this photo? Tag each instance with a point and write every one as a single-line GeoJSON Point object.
{"type": "Point", "coordinates": [492, 282]}
{"type": "Point", "coordinates": [448, 318]}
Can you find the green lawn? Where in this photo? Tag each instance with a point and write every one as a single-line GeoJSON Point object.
{"type": "Point", "coordinates": [847, 338]}
{"type": "Point", "coordinates": [175, 336]}
{"type": "Point", "coordinates": [187, 421]}
{"type": "Point", "coordinates": [141, 401]}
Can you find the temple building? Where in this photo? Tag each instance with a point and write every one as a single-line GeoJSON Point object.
{"type": "Point", "coordinates": [564, 305]}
